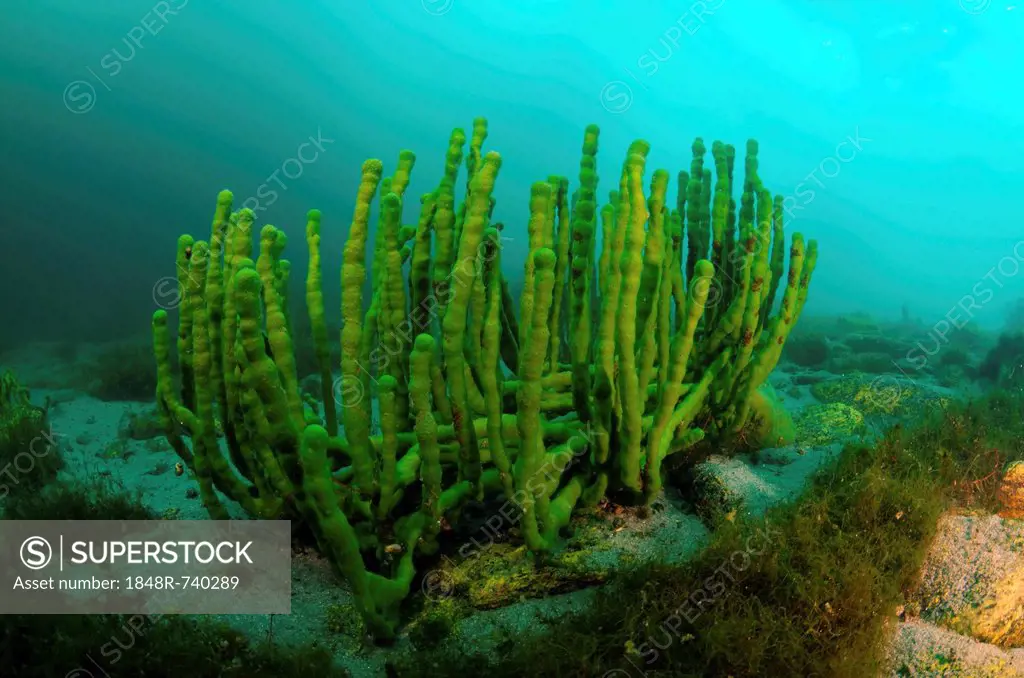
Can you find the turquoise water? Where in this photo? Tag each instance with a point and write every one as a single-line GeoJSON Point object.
{"type": "Point", "coordinates": [122, 120]}
{"type": "Point", "coordinates": [891, 131]}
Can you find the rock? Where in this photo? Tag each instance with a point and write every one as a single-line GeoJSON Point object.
{"type": "Point", "coordinates": [918, 648]}
{"type": "Point", "coordinates": [972, 580]}
{"type": "Point", "coordinates": [809, 378]}
{"type": "Point", "coordinates": [713, 498]}
{"type": "Point", "coordinates": [60, 397]}
{"type": "Point", "coordinates": [116, 449]}
{"type": "Point", "coordinates": [870, 363]}
{"type": "Point", "coordinates": [500, 574]}
{"type": "Point", "coordinates": [884, 395]}
{"type": "Point", "coordinates": [1011, 492]}
{"type": "Point", "coordinates": [1000, 619]}
{"type": "Point", "coordinates": [856, 321]}
{"type": "Point", "coordinates": [829, 423]}
{"type": "Point", "coordinates": [140, 425]}
{"type": "Point", "coordinates": [435, 623]}
{"type": "Point", "coordinates": [1000, 365]}
{"type": "Point", "coordinates": [875, 343]}
{"type": "Point", "coordinates": [807, 351]}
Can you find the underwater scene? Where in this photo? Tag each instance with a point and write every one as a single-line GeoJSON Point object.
{"type": "Point", "coordinates": [560, 338]}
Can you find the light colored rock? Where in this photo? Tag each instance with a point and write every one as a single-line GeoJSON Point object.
{"type": "Point", "coordinates": [1011, 492]}
{"type": "Point", "coordinates": [918, 648]}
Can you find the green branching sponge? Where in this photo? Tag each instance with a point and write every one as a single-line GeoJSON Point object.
{"type": "Point", "coordinates": [626, 346]}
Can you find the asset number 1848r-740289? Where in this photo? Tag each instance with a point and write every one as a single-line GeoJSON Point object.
{"type": "Point", "coordinates": [181, 583]}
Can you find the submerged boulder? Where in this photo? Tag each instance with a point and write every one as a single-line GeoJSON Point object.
{"type": "Point", "coordinates": [142, 425]}
{"type": "Point", "coordinates": [1011, 492]}
{"type": "Point", "coordinates": [1000, 619]}
{"type": "Point", "coordinates": [715, 499]}
{"type": "Point", "coordinates": [885, 396]}
{"type": "Point", "coordinates": [808, 351]}
{"type": "Point", "coordinates": [972, 580]}
{"type": "Point", "coordinates": [828, 423]}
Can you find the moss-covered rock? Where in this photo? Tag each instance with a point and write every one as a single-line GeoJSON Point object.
{"type": "Point", "coordinates": [880, 395]}
{"type": "Point", "coordinates": [501, 573]}
{"type": "Point", "coordinates": [809, 378]}
{"type": "Point", "coordinates": [346, 622]}
{"type": "Point", "coordinates": [142, 425]}
{"type": "Point", "coordinates": [857, 390]}
{"type": "Point", "coordinates": [808, 350]}
{"type": "Point", "coordinates": [436, 622]}
{"type": "Point", "coordinates": [116, 449]}
{"type": "Point", "coordinates": [713, 499]}
{"type": "Point", "coordinates": [828, 423]}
